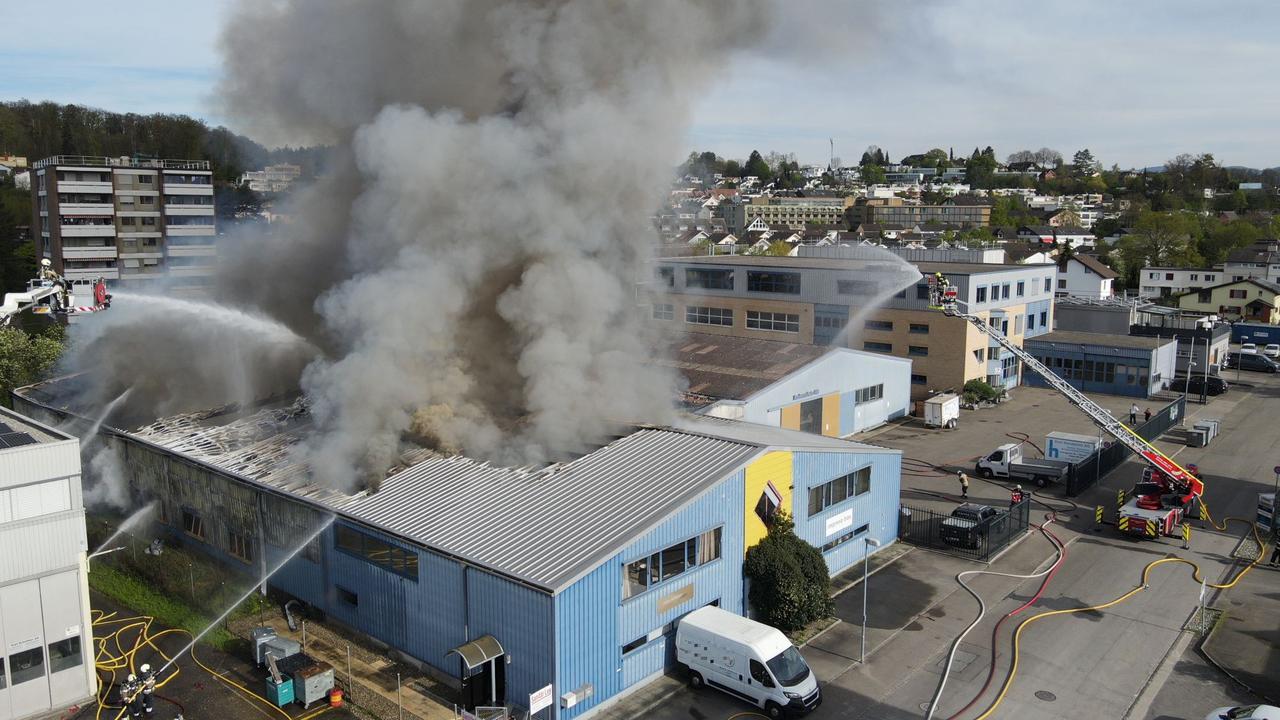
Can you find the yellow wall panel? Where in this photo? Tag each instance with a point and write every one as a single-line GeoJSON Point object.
{"type": "Point", "coordinates": [772, 467]}
{"type": "Point", "coordinates": [831, 415]}
{"type": "Point", "coordinates": [791, 417]}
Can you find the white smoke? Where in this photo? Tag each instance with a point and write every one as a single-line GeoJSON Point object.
{"type": "Point", "coordinates": [468, 265]}
{"type": "Point", "coordinates": [105, 482]}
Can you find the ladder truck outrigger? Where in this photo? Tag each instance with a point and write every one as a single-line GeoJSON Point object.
{"type": "Point", "coordinates": [1168, 492]}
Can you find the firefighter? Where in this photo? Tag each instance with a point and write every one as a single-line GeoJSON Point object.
{"type": "Point", "coordinates": [147, 680]}
{"type": "Point", "coordinates": [1016, 496]}
{"type": "Point", "coordinates": [47, 273]}
{"type": "Point", "coordinates": [131, 696]}
{"type": "Point", "coordinates": [964, 484]}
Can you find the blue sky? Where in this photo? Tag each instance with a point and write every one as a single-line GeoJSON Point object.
{"type": "Point", "coordinates": [1136, 81]}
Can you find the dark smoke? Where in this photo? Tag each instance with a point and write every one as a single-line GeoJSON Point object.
{"type": "Point", "coordinates": [468, 267]}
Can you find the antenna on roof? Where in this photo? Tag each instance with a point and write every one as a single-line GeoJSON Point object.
{"type": "Point", "coordinates": [831, 164]}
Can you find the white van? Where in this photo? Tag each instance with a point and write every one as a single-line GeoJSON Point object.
{"type": "Point", "coordinates": [748, 659]}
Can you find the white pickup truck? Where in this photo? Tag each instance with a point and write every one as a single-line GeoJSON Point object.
{"type": "Point", "coordinates": [1008, 461]}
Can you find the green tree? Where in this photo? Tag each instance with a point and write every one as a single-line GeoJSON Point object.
{"type": "Point", "coordinates": [1222, 239]}
{"type": "Point", "coordinates": [1161, 238]}
{"type": "Point", "coordinates": [758, 167]}
{"type": "Point", "coordinates": [733, 168]}
{"type": "Point", "coordinates": [979, 170]}
{"type": "Point", "coordinates": [26, 358]}
{"type": "Point", "coordinates": [790, 586]}
{"type": "Point", "coordinates": [873, 174]}
{"type": "Point", "coordinates": [1083, 164]}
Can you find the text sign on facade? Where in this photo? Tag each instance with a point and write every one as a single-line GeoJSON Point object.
{"type": "Point", "coordinates": [838, 522]}
{"type": "Point", "coordinates": [539, 699]}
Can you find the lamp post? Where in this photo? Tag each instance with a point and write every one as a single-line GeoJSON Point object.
{"type": "Point", "coordinates": [866, 554]}
{"type": "Point", "coordinates": [1191, 366]}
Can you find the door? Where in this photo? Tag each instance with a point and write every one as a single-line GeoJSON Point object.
{"type": "Point", "coordinates": [24, 648]}
{"type": "Point", "coordinates": [487, 684]}
{"type": "Point", "coordinates": [759, 683]}
{"type": "Point", "coordinates": [64, 638]}
{"type": "Point", "coordinates": [811, 416]}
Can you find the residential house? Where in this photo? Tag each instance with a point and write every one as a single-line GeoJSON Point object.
{"type": "Point", "coordinates": [1162, 282]}
{"type": "Point", "coordinates": [1260, 260]}
{"type": "Point", "coordinates": [1085, 276]}
{"type": "Point", "coordinates": [1251, 300]}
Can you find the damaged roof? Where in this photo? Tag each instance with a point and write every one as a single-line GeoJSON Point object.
{"type": "Point", "coordinates": [734, 368]}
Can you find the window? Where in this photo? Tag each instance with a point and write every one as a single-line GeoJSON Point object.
{"type": "Point", "coordinates": [773, 282]}
{"type": "Point", "coordinates": [1044, 318]}
{"type": "Point", "coordinates": [1031, 321]}
{"type": "Point", "coordinates": [192, 524]}
{"type": "Point", "coordinates": [637, 643]}
{"type": "Point", "coordinates": [1205, 296]}
{"type": "Point", "coordinates": [919, 329]}
{"type": "Point", "coordinates": [65, 654]}
{"type": "Point", "coordinates": [855, 287]}
{"type": "Point", "coordinates": [759, 674]}
{"type": "Point", "coordinates": [1022, 287]}
{"type": "Point", "coordinates": [1168, 276]}
{"type": "Point", "coordinates": [663, 311]}
{"type": "Point", "coordinates": [922, 292]}
{"type": "Point", "coordinates": [830, 493]}
{"type": "Point", "coordinates": [917, 350]}
{"type": "Point", "coordinates": [1209, 277]}
{"type": "Point", "coordinates": [3, 680]}
{"type": "Point", "coordinates": [1062, 284]}
{"type": "Point", "coordinates": [1048, 285]}
{"type": "Point", "coordinates": [376, 551]}
{"type": "Point", "coordinates": [348, 597]}
{"type": "Point", "coordinates": [778, 322]}
{"type": "Point", "coordinates": [878, 325]}
{"type": "Point", "coordinates": [868, 394]}
{"type": "Point", "coordinates": [1004, 292]}
{"type": "Point", "coordinates": [1237, 294]}
{"type": "Point", "coordinates": [982, 294]}
{"type": "Point", "coordinates": [240, 546]}
{"type": "Point", "coordinates": [980, 355]}
{"type": "Point", "coordinates": [708, 279]}
{"type": "Point", "coordinates": [877, 347]}
{"type": "Point", "coordinates": [1017, 324]}
{"type": "Point", "coordinates": [861, 530]}
{"type": "Point", "coordinates": [667, 276]}
{"type": "Point", "coordinates": [708, 316]}
{"type": "Point", "coordinates": [649, 571]}
{"type": "Point", "coordinates": [26, 665]}
{"type": "Point", "coordinates": [919, 379]}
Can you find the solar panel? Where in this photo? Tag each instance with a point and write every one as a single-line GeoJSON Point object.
{"type": "Point", "coordinates": [15, 439]}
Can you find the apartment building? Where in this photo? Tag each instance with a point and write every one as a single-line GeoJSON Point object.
{"type": "Point", "coordinates": [790, 212]}
{"type": "Point", "coordinates": [812, 300]}
{"type": "Point", "coordinates": [1261, 261]}
{"type": "Point", "coordinates": [46, 642]}
{"type": "Point", "coordinates": [272, 178]}
{"type": "Point", "coordinates": [1163, 282]}
{"type": "Point", "coordinates": [131, 221]}
{"type": "Point", "coordinates": [896, 210]}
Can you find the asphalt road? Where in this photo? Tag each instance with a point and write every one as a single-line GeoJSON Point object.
{"type": "Point", "coordinates": [1093, 664]}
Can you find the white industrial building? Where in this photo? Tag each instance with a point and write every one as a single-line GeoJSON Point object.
{"type": "Point", "coordinates": [46, 640]}
{"type": "Point", "coordinates": [830, 391]}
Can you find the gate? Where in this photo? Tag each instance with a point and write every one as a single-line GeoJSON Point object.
{"type": "Point", "coordinates": [981, 541]}
{"type": "Point", "coordinates": [1086, 473]}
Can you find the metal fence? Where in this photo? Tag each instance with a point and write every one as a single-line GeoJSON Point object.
{"type": "Point", "coordinates": [981, 541]}
{"type": "Point", "coordinates": [1086, 473]}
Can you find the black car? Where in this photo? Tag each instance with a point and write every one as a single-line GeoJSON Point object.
{"type": "Point", "coordinates": [966, 525]}
{"type": "Point", "coordinates": [1200, 385]}
{"type": "Point", "coordinates": [1250, 361]}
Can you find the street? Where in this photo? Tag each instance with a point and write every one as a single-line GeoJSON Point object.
{"type": "Point", "coordinates": [1089, 664]}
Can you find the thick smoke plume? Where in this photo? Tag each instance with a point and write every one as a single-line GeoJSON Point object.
{"type": "Point", "coordinates": [468, 267]}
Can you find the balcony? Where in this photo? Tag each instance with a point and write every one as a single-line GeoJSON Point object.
{"type": "Point", "coordinates": [188, 210]}
{"type": "Point", "coordinates": [74, 186]}
{"type": "Point", "coordinates": [172, 188]}
{"type": "Point", "coordinates": [193, 251]}
{"type": "Point", "coordinates": [79, 209]}
{"type": "Point", "coordinates": [103, 231]}
{"type": "Point", "coordinates": [89, 253]}
{"type": "Point", "coordinates": [189, 230]}
{"type": "Point", "coordinates": [192, 270]}
{"type": "Point", "coordinates": [73, 273]}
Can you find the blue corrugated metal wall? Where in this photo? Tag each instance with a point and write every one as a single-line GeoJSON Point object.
{"type": "Point", "coordinates": [590, 649]}
{"type": "Point", "coordinates": [521, 619]}
{"type": "Point", "coordinates": [879, 507]}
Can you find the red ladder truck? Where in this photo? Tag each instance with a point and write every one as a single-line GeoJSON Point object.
{"type": "Point", "coordinates": [1168, 492]}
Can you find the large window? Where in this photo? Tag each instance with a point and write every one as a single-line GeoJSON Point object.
{"type": "Point", "coordinates": [917, 350]}
{"type": "Point", "coordinates": [663, 311]}
{"type": "Point", "coordinates": [922, 292]}
{"type": "Point", "coordinates": [878, 325]}
{"type": "Point", "coordinates": [240, 546]}
{"type": "Point", "coordinates": [773, 282]}
{"type": "Point", "coordinates": [919, 379]}
{"type": "Point", "coordinates": [856, 287]}
{"type": "Point", "coordinates": [779, 322]}
{"type": "Point", "coordinates": [192, 524]}
{"type": "Point", "coordinates": [640, 575]}
{"type": "Point", "coordinates": [64, 654]}
{"type": "Point", "coordinates": [842, 488]}
{"type": "Point", "coordinates": [26, 665]}
{"type": "Point", "coordinates": [919, 329]}
{"type": "Point", "coordinates": [982, 294]}
{"type": "Point", "coordinates": [708, 279]}
{"type": "Point", "coordinates": [708, 316]}
{"type": "Point", "coordinates": [376, 551]}
{"type": "Point", "coordinates": [877, 347]}
{"type": "Point", "coordinates": [1237, 294]}
{"type": "Point", "coordinates": [868, 394]}
{"type": "Point", "coordinates": [831, 544]}
{"type": "Point", "coordinates": [667, 276]}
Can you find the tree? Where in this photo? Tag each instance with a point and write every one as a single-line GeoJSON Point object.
{"type": "Point", "coordinates": [1082, 164]}
{"type": "Point", "coordinates": [25, 358]}
{"type": "Point", "coordinates": [1065, 251]}
{"type": "Point", "coordinates": [790, 585]}
{"type": "Point", "coordinates": [1048, 157]}
{"type": "Point", "coordinates": [873, 174]}
{"type": "Point", "coordinates": [732, 168]}
{"type": "Point", "coordinates": [1221, 240]}
{"type": "Point", "coordinates": [1161, 238]}
{"type": "Point", "coordinates": [758, 167]}
{"type": "Point", "coordinates": [980, 169]}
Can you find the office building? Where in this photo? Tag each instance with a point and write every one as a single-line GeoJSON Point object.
{"type": "Point", "coordinates": [898, 211]}
{"type": "Point", "coordinates": [785, 212]}
{"type": "Point", "coordinates": [272, 178]}
{"type": "Point", "coordinates": [131, 221]}
{"type": "Point", "coordinates": [46, 642]}
{"type": "Point", "coordinates": [1130, 365]}
{"type": "Point", "coordinates": [811, 300]}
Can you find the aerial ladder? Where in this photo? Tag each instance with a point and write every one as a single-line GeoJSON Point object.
{"type": "Point", "coordinates": [1167, 493]}
{"type": "Point", "coordinates": [44, 297]}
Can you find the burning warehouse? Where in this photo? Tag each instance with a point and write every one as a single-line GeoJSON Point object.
{"type": "Point", "coordinates": [508, 579]}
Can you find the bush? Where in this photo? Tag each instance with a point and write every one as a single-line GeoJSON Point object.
{"type": "Point", "coordinates": [790, 586]}
{"type": "Point", "coordinates": [980, 391]}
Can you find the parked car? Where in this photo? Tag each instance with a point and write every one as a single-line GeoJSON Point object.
{"type": "Point", "coordinates": [1198, 384]}
{"type": "Point", "coordinates": [1245, 712]}
{"type": "Point", "coordinates": [963, 528]}
{"type": "Point", "coordinates": [1250, 361]}
{"type": "Point", "coordinates": [1272, 350]}
{"type": "Point", "coordinates": [746, 659]}
{"type": "Point", "coordinates": [1249, 348]}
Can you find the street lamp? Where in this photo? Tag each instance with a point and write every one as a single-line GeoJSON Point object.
{"type": "Point", "coordinates": [1186, 389]}
{"type": "Point", "coordinates": [866, 553]}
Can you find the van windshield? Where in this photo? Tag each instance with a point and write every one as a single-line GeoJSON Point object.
{"type": "Point", "coordinates": [788, 667]}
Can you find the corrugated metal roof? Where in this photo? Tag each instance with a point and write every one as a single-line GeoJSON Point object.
{"type": "Point", "coordinates": [551, 526]}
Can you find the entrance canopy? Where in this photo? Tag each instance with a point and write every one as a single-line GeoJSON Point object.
{"type": "Point", "coordinates": [479, 651]}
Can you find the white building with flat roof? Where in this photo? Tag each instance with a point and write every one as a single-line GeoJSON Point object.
{"type": "Point", "coordinates": [1160, 282]}
{"type": "Point", "coordinates": [46, 639]}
